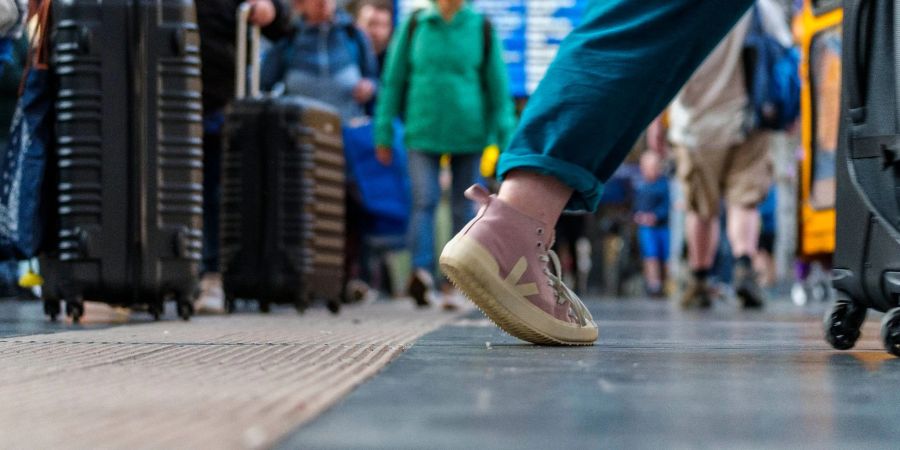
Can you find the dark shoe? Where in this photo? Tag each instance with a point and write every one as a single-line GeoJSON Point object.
{"type": "Point", "coordinates": [746, 287]}
{"type": "Point", "coordinates": [421, 287]}
{"type": "Point", "coordinates": [697, 294]}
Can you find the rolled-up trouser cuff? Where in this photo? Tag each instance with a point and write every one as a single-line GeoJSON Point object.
{"type": "Point", "coordinates": [588, 188]}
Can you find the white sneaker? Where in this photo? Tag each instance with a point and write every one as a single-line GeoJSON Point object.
{"type": "Point", "coordinates": [212, 296]}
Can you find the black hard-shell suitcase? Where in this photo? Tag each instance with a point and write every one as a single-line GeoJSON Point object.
{"type": "Point", "coordinates": [867, 257]}
{"type": "Point", "coordinates": [129, 145]}
{"type": "Point", "coordinates": [282, 226]}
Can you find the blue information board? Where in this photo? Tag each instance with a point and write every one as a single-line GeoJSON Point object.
{"type": "Point", "coordinates": [531, 31]}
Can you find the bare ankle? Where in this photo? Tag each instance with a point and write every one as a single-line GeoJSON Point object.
{"type": "Point", "coordinates": [540, 197]}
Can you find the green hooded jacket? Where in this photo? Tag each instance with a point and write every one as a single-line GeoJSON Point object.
{"type": "Point", "coordinates": [454, 102]}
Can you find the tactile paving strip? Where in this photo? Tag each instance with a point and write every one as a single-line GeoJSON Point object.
{"type": "Point", "coordinates": [216, 382]}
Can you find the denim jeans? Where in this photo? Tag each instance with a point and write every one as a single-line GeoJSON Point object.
{"type": "Point", "coordinates": [9, 278]}
{"type": "Point", "coordinates": [613, 74]}
{"type": "Point", "coordinates": [424, 172]}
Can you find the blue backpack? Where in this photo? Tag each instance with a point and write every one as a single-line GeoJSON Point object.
{"type": "Point", "coordinates": [773, 79]}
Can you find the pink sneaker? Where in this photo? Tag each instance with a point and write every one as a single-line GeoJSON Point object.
{"type": "Point", "coordinates": [501, 260]}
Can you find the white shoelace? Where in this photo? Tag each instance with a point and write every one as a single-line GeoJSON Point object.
{"type": "Point", "coordinates": [563, 293]}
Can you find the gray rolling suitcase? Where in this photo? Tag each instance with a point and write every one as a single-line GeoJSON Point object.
{"type": "Point", "coordinates": [129, 146]}
{"type": "Point", "coordinates": [867, 257]}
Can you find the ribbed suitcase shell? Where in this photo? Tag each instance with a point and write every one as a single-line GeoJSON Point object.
{"type": "Point", "coordinates": [867, 255]}
{"type": "Point", "coordinates": [282, 225]}
{"type": "Point", "coordinates": [129, 137]}
{"type": "Point", "coordinates": [866, 270]}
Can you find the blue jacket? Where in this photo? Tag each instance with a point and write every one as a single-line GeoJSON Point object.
{"type": "Point", "coordinates": [654, 198]}
{"type": "Point", "coordinates": [324, 62]}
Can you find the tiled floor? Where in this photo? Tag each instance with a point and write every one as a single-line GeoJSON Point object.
{"type": "Point", "coordinates": [658, 378]}
{"type": "Point", "coordinates": [215, 382]}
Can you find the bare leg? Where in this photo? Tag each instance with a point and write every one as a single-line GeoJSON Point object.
{"type": "Point", "coordinates": [743, 230]}
{"type": "Point", "coordinates": [540, 197]}
{"type": "Point", "coordinates": [703, 241]}
{"type": "Point", "coordinates": [764, 265]}
{"type": "Point", "coordinates": [653, 274]}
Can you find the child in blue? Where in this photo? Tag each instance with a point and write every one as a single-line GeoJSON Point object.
{"type": "Point", "coordinates": [651, 212]}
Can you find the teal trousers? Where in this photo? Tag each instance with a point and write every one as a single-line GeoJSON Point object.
{"type": "Point", "coordinates": [612, 76]}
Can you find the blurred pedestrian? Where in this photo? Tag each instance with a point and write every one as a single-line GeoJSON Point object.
{"type": "Point", "coordinates": [718, 158]}
{"type": "Point", "coordinates": [445, 76]}
{"type": "Point", "coordinates": [764, 261]}
{"type": "Point", "coordinates": [651, 213]}
{"type": "Point", "coordinates": [12, 56]}
{"type": "Point", "coordinates": [376, 19]}
{"type": "Point", "coordinates": [326, 57]}
{"type": "Point", "coordinates": [12, 65]}
{"type": "Point", "coordinates": [218, 21]}
{"type": "Point", "coordinates": [612, 75]}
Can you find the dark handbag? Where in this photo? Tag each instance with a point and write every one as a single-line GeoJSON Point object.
{"type": "Point", "coordinates": [24, 203]}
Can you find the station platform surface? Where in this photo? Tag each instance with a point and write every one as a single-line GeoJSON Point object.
{"type": "Point", "coordinates": [658, 377]}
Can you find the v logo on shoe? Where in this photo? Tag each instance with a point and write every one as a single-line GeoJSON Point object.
{"type": "Point", "coordinates": [526, 289]}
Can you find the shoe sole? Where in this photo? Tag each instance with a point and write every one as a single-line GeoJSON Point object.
{"type": "Point", "coordinates": [472, 269]}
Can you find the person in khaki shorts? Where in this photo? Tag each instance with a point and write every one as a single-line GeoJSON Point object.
{"type": "Point", "coordinates": [718, 159]}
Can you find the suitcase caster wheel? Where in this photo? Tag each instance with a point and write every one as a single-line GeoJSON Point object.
{"type": "Point", "coordinates": [302, 302]}
{"type": "Point", "coordinates": [155, 311]}
{"type": "Point", "coordinates": [230, 305]}
{"type": "Point", "coordinates": [185, 310]}
{"type": "Point", "coordinates": [52, 309]}
{"type": "Point", "coordinates": [265, 307]}
{"type": "Point", "coordinates": [890, 331]}
{"type": "Point", "coordinates": [842, 324]}
{"type": "Point", "coordinates": [334, 306]}
{"type": "Point", "coordinates": [75, 310]}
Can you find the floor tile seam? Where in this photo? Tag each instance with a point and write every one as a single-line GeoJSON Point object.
{"type": "Point", "coordinates": [353, 353]}
{"type": "Point", "coordinates": [369, 372]}
{"type": "Point", "coordinates": [339, 369]}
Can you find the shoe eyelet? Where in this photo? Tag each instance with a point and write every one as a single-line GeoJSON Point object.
{"type": "Point", "coordinates": [540, 231]}
{"type": "Point", "coordinates": [540, 244]}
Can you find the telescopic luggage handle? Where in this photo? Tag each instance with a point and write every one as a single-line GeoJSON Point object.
{"type": "Point", "coordinates": [240, 74]}
{"type": "Point", "coordinates": [855, 12]}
